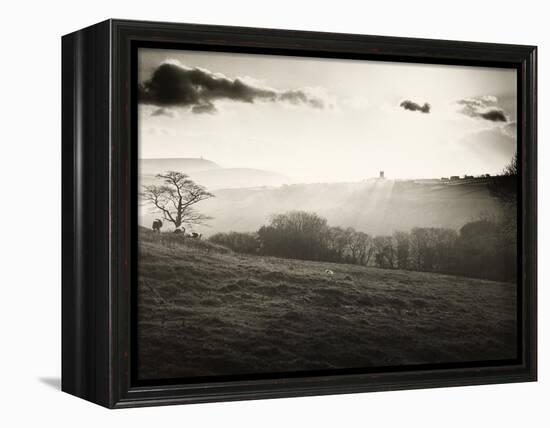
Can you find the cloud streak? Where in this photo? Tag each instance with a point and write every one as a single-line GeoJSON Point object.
{"type": "Point", "coordinates": [173, 84]}
{"type": "Point", "coordinates": [412, 106]}
{"type": "Point", "coordinates": [484, 107]}
{"type": "Point", "coordinates": [162, 112]}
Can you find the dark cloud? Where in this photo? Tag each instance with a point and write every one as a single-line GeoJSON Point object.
{"type": "Point", "coordinates": [485, 107]}
{"type": "Point", "coordinates": [175, 85]}
{"type": "Point", "coordinates": [299, 97]}
{"type": "Point", "coordinates": [412, 106]}
{"type": "Point", "coordinates": [494, 115]}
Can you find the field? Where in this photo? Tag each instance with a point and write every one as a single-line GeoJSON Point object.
{"type": "Point", "coordinates": [204, 310]}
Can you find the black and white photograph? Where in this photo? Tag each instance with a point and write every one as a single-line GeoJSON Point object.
{"type": "Point", "coordinates": [302, 214]}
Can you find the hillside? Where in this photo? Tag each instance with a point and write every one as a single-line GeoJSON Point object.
{"type": "Point", "coordinates": [155, 166]}
{"type": "Point", "coordinates": [209, 174]}
{"type": "Point", "coordinates": [204, 310]}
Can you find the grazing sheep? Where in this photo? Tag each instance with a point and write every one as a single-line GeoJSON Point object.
{"type": "Point", "coordinates": [329, 272]}
{"type": "Point", "coordinates": [157, 225]}
{"type": "Point", "coordinates": [196, 235]}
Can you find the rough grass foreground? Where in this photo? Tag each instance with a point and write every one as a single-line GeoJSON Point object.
{"type": "Point", "coordinates": [204, 310]}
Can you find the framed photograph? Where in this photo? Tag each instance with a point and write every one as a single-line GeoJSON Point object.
{"type": "Point", "coordinates": [253, 213]}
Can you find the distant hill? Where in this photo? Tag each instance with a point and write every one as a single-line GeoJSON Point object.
{"type": "Point", "coordinates": [210, 174]}
{"type": "Point", "coordinates": [187, 165]}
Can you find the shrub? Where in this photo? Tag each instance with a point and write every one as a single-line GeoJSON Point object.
{"type": "Point", "coordinates": [236, 241]}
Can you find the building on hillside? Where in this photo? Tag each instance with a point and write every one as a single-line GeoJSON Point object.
{"type": "Point", "coordinates": [382, 175]}
{"type": "Point", "coordinates": [455, 177]}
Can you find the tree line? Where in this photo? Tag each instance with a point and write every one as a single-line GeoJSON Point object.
{"type": "Point", "coordinates": [479, 249]}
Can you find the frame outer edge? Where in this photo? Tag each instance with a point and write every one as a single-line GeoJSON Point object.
{"type": "Point", "coordinates": [531, 216]}
{"type": "Point", "coordinates": [85, 221]}
{"type": "Point", "coordinates": [70, 379]}
{"type": "Point", "coordinates": [107, 369]}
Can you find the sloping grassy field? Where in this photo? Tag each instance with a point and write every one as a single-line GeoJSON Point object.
{"type": "Point", "coordinates": [203, 310]}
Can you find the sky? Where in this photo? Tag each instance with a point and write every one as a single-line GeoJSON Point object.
{"type": "Point", "coordinates": [326, 120]}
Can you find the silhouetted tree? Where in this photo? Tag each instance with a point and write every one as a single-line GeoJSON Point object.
{"type": "Point", "coordinates": [504, 186]}
{"type": "Point", "coordinates": [444, 243]}
{"type": "Point", "coordinates": [176, 198]}
{"type": "Point", "coordinates": [383, 251]}
{"type": "Point", "coordinates": [402, 249]}
{"type": "Point", "coordinates": [338, 242]}
{"type": "Point", "coordinates": [505, 189]}
{"type": "Point", "coordinates": [296, 234]}
{"type": "Point", "coordinates": [360, 245]}
{"type": "Point", "coordinates": [419, 244]}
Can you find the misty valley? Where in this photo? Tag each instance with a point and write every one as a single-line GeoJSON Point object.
{"type": "Point", "coordinates": [244, 271]}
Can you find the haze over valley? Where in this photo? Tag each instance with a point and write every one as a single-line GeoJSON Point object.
{"type": "Point", "coordinates": [245, 199]}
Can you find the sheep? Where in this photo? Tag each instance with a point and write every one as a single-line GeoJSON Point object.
{"type": "Point", "coordinates": [329, 272]}
{"type": "Point", "coordinates": [157, 225]}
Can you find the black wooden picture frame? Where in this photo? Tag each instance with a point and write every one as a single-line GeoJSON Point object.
{"type": "Point", "coordinates": [99, 192]}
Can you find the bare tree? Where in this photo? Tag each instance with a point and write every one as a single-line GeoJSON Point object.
{"type": "Point", "coordinates": [175, 199]}
{"type": "Point", "coordinates": [403, 244]}
{"type": "Point", "coordinates": [512, 167]}
{"type": "Point", "coordinates": [296, 235]}
{"type": "Point", "coordinates": [360, 246]}
{"type": "Point", "coordinates": [504, 186]}
{"type": "Point", "coordinates": [338, 242]}
{"type": "Point", "coordinates": [383, 251]}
